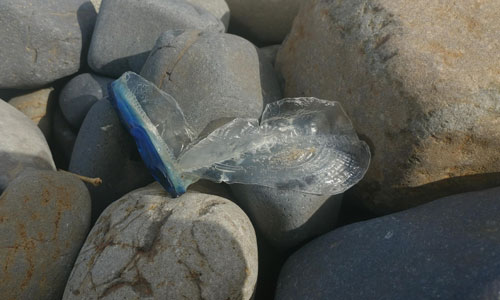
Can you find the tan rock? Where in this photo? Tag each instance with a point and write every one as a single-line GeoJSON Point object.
{"type": "Point", "coordinates": [38, 106]}
{"type": "Point", "coordinates": [421, 82]}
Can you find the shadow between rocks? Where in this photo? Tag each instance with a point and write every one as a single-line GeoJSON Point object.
{"type": "Point", "coordinates": [12, 164]}
{"type": "Point", "coordinates": [432, 191]}
{"type": "Point", "coordinates": [86, 16]}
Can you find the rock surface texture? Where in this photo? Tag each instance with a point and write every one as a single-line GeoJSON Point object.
{"type": "Point", "coordinates": [421, 83]}
{"type": "Point", "coordinates": [214, 77]}
{"type": "Point", "coordinates": [126, 30]}
{"type": "Point", "coordinates": [263, 20]}
{"type": "Point", "coordinates": [23, 145]}
{"type": "Point", "coordinates": [447, 249]}
{"type": "Point", "coordinates": [149, 246]}
{"type": "Point", "coordinates": [79, 94]}
{"type": "Point", "coordinates": [287, 218]}
{"type": "Point", "coordinates": [42, 40]}
{"type": "Point", "coordinates": [44, 219]}
{"type": "Point", "coordinates": [39, 107]}
{"type": "Point", "coordinates": [104, 149]}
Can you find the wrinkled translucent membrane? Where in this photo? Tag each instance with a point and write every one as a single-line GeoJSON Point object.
{"type": "Point", "coordinates": [302, 144]}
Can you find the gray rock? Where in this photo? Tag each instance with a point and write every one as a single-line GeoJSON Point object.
{"type": "Point", "coordinates": [263, 20]}
{"type": "Point", "coordinates": [79, 94]}
{"type": "Point", "coordinates": [149, 246]}
{"type": "Point", "coordinates": [42, 40]}
{"type": "Point", "coordinates": [126, 30]}
{"type": "Point", "coordinates": [214, 77]}
{"type": "Point", "coordinates": [287, 218]}
{"type": "Point", "coordinates": [218, 8]}
{"type": "Point", "coordinates": [63, 134]}
{"type": "Point", "coordinates": [23, 145]}
{"type": "Point", "coordinates": [421, 89]}
{"type": "Point", "coordinates": [269, 53]}
{"type": "Point", "coordinates": [447, 249]}
{"type": "Point", "coordinates": [39, 107]}
{"type": "Point", "coordinates": [44, 219]}
{"type": "Point", "coordinates": [104, 149]}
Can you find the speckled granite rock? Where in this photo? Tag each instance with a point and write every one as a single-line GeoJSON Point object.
{"type": "Point", "coordinates": [149, 246]}
{"type": "Point", "coordinates": [39, 107]}
{"type": "Point", "coordinates": [23, 145]}
{"type": "Point", "coordinates": [42, 40]}
{"type": "Point", "coordinates": [104, 149]}
{"type": "Point", "coordinates": [263, 20]}
{"type": "Point", "coordinates": [44, 219]}
{"type": "Point", "coordinates": [447, 249]}
{"type": "Point", "coordinates": [420, 82]}
{"type": "Point", "coordinates": [79, 94]}
{"type": "Point", "coordinates": [126, 30]}
{"type": "Point", "coordinates": [213, 76]}
{"type": "Point", "coordinates": [287, 218]}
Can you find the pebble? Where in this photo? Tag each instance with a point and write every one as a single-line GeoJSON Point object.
{"type": "Point", "coordinates": [104, 149]}
{"type": "Point", "coordinates": [287, 218]}
{"type": "Point", "coordinates": [149, 246]}
{"type": "Point", "coordinates": [447, 249]}
{"type": "Point", "coordinates": [42, 40]}
{"type": "Point", "coordinates": [23, 145]}
{"type": "Point", "coordinates": [126, 30]}
{"type": "Point", "coordinates": [39, 107]}
{"type": "Point", "coordinates": [214, 77]}
{"type": "Point", "coordinates": [420, 88]}
{"type": "Point", "coordinates": [79, 94]}
{"type": "Point", "coordinates": [44, 219]}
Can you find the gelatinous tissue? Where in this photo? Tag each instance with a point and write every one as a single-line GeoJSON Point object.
{"type": "Point", "coordinates": [303, 144]}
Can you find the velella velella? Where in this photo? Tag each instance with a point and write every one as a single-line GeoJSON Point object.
{"type": "Point", "coordinates": [304, 144]}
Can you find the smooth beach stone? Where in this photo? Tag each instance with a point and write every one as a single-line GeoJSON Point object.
{"type": "Point", "coordinates": [150, 246]}
{"type": "Point", "coordinates": [79, 94]}
{"type": "Point", "coordinates": [104, 149]}
{"type": "Point", "coordinates": [39, 107]}
{"type": "Point", "coordinates": [422, 89]}
{"type": "Point", "coordinates": [263, 20]}
{"type": "Point", "coordinates": [214, 77]}
{"type": "Point", "coordinates": [446, 249]}
{"type": "Point", "coordinates": [44, 219]}
{"type": "Point", "coordinates": [42, 40]}
{"type": "Point", "coordinates": [218, 8]}
{"type": "Point", "coordinates": [126, 30]}
{"type": "Point", "coordinates": [287, 218]}
{"type": "Point", "coordinates": [23, 145]}
{"type": "Point", "coordinates": [63, 135]}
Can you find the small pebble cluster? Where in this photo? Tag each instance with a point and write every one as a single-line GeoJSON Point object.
{"type": "Point", "coordinates": [420, 81]}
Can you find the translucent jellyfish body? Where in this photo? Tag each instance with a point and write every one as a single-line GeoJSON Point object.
{"type": "Point", "coordinates": [303, 144]}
